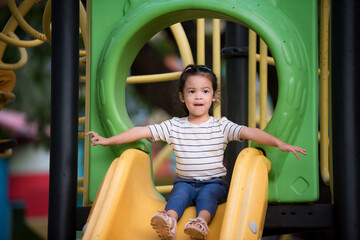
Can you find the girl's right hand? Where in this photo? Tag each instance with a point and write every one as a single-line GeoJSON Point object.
{"type": "Point", "coordinates": [96, 139]}
{"type": "Point", "coordinates": [290, 148]}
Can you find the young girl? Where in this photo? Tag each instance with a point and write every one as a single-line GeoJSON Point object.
{"type": "Point", "coordinates": [199, 141]}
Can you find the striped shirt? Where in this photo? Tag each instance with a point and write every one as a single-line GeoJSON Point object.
{"type": "Point", "coordinates": [199, 148]}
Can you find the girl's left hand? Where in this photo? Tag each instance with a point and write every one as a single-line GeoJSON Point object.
{"type": "Point", "coordinates": [294, 149]}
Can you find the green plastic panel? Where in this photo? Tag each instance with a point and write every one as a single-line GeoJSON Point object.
{"type": "Point", "coordinates": [119, 29]}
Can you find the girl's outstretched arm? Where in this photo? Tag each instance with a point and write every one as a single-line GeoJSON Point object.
{"type": "Point", "coordinates": [259, 136]}
{"type": "Point", "coordinates": [130, 135]}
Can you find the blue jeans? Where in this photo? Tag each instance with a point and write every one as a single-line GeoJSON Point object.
{"type": "Point", "coordinates": [205, 195]}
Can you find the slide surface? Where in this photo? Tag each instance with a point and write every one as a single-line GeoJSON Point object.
{"type": "Point", "coordinates": [127, 200]}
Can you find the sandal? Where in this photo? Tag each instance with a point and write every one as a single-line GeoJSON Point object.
{"type": "Point", "coordinates": [162, 223]}
{"type": "Point", "coordinates": [197, 229]}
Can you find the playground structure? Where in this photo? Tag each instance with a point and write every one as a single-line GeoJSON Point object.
{"type": "Point", "coordinates": [121, 41]}
{"type": "Point", "coordinates": [293, 44]}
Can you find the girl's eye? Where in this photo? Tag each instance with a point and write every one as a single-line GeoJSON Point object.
{"type": "Point", "coordinates": [191, 91]}
{"type": "Point", "coordinates": [206, 91]}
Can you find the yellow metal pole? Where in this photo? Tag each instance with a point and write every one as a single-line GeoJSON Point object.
{"type": "Point", "coordinates": [182, 43]}
{"type": "Point", "coordinates": [269, 60]}
{"type": "Point", "coordinates": [263, 84]}
{"type": "Point", "coordinates": [330, 119]}
{"type": "Point", "coordinates": [82, 79]}
{"type": "Point", "coordinates": [217, 61]}
{"type": "Point", "coordinates": [21, 21]}
{"type": "Point", "coordinates": [154, 78]}
{"type": "Point", "coordinates": [252, 78]}
{"type": "Point", "coordinates": [200, 41]}
{"type": "Point", "coordinates": [185, 53]}
{"type": "Point", "coordinates": [11, 25]}
{"type": "Point", "coordinates": [46, 21]}
{"type": "Point", "coordinates": [17, 42]}
{"type": "Point", "coordinates": [324, 91]}
{"type": "Point", "coordinates": [81, 120]}
{"type": "Point", "coordinates": [23, 57]}
{"type": "Point", "coordinates": [82, 53]}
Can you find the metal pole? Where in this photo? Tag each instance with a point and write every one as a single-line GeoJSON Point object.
{"type": "Point", "coordinates": [345, 72]}
{"type": "Point", "coordinates": [64, 119]}
{"type": "Point", "coordinates": [235, 90]}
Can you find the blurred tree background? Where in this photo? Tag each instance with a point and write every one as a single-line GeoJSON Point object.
{"type": "Point", "coordinates": [33, 81]}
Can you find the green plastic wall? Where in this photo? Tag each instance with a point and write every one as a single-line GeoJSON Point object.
{"type": "Point", "coordinates": [119, 29]}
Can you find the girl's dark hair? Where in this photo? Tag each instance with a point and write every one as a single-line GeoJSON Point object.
{"type": "Point", "coordinates": [191, 70]}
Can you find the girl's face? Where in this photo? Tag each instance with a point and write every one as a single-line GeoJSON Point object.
{"type": "Point", "coordinates": [198, 95]}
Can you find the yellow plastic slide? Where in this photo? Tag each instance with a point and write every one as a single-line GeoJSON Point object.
{"type": "Point", "coordinates": [127, 200]}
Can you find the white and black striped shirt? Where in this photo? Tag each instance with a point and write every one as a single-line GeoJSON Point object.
{"type": "Point", "coordinates": [199, 149]}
